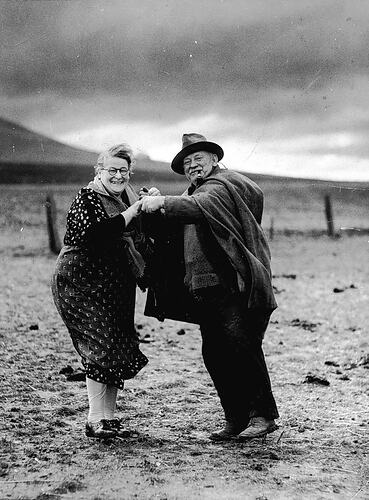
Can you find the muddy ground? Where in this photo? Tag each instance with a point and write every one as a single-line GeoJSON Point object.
{"type": "Point", "coordinates": [320, 451]}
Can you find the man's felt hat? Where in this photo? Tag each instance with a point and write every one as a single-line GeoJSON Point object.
{"type": "Point", "coordinates": [190, 144]}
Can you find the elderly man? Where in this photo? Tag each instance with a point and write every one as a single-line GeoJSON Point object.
{"type": "Point", "coordinates": [228, 279]}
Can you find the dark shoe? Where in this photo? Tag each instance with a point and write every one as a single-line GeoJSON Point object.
{"type": "Point", "coordinates": [116, 425]}
{"type": "Point", "coordinates": [230, 431]}
{"type": "Point", "coordinates": [99, 430]}
{"type": "Point", "coordinates": [258, 428]}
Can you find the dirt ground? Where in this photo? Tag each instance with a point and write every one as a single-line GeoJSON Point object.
{"type": "Point", "coordinates": [318, 336]}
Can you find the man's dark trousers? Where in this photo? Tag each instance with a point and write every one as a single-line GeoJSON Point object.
{"type": "Point", "coordinates": [232, 351]}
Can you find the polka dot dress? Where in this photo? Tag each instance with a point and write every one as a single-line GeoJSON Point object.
{"type": "Point", "coordinates": [94, 292]}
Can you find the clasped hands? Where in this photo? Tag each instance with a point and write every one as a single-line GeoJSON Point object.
{"type": "Point", "coordinates": [150, 200]}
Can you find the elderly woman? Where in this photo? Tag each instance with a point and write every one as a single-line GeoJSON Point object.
{"type": "Point", "coordinates": [95, 281]}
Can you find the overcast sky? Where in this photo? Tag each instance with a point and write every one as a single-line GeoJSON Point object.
{"type": "Point", "coordinates": [282, 85]}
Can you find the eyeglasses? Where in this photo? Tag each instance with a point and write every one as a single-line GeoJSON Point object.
{"type": "Point", "coordinates": [113, 171]}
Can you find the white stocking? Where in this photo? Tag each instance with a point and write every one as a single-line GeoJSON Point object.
{"type": "Point", "coordinates": [96, 397]}
{"type": "Point", "coordinates": [110, 401]}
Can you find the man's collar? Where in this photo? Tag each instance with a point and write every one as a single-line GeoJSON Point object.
{"type": "Point", "coordinates": [193, 187]}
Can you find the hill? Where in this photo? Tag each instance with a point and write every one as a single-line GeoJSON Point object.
{"type": "Point", "coordinates": [27, 157]}
{"type": "Point", "coordinates": [30, 158]}
{"type": "Point", "coordinates": [22, 146]}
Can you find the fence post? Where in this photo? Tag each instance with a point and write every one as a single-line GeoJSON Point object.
{"type": "Point", "coordinates": [54, 240]}
{"type": "Point", "coordinates": [329, 216]}
{"type": "Point", "coordinates": [271, 229]}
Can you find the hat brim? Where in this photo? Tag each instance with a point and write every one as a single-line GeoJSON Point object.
{"type": "Point", "coordinates": [211, 147]}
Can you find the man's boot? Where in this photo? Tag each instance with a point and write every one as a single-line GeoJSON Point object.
{"type": "Point", "coordinates": [230, 431]}
{"type": "Point", "coordinates": [259, 427]}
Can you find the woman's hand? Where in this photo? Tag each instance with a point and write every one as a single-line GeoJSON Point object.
{"type": "Point", "coordinates": [135, 208]}
{"type": "Point", "coordinates": [132, 211]}
{"type": "Point", "coordinates": [153, 191]}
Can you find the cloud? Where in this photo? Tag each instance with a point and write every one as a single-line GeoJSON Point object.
{"type": "Point", "coordinates": [269, 69]}
{"type": "Point", "coordinates": [128, 49]}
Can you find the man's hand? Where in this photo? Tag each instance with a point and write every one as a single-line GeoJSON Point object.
{"type": "Point", "coordinates": [153, 191]}
{"type": "Point", "coordinates": [152, 203]}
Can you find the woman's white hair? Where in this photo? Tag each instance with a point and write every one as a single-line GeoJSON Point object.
{"type": "Point", "coordinates": [122, 150]}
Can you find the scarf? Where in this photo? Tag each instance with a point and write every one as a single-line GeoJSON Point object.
{"type": "Point", "coordinates": [113, 206]}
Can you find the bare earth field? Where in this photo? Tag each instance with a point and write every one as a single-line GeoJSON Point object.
{"type": "Point", "coordinates": [317, 350]}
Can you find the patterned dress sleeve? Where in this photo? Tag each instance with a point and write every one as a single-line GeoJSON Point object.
{"type": "Point", "coordinates": [88, 224]}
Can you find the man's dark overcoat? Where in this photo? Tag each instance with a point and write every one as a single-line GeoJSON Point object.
{"type": "Point", "coordinates": [232, 206]}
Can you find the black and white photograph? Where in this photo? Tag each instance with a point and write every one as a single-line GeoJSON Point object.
{"type": "Point", "coordinates": [184, 249]}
